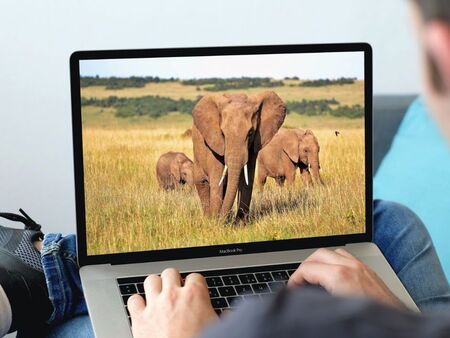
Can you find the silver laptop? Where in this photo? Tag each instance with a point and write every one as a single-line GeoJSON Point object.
{"type": "Point", "coordinates": [235, 162]}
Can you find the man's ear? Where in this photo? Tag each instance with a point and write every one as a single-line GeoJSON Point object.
{"type": "Point", "coordinates": [437, 35]}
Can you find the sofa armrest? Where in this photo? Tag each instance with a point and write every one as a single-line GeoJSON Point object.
{"type": "Point", "coordinates": [388, 113]}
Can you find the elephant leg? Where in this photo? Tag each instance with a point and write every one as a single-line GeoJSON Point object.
{"type": "Point", "coordinates": [262, 178]}
{"type": "Point", "coordinates": [306, 176]}
{"type": "Point", "coordinates": [261, 182]}
{"type": "Point", "coordinates": [290, 178]}
{"type": "Point", "coordinates": [216, 197]}
{"type": "Point", "coordinates": [174, 185]}
{"type": "Point", "coordinates": [203, 193]}
{"type": "Point", "coordinates": [169, 184]}
{"type": "Point", "coordinates": [280, 180]}
{"type": "Point", "coordinates": [202, 185]}
{"type": "Point", "coordinates": [215, 167]}
{"type": "Point", "coordinates": [245, 195]}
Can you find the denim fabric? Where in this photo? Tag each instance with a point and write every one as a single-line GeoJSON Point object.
{"type": "Point", "coordinates": [59, 260]}
{"type": "Point", "coordinates": [77, 327]}
{"type": "Point", "coordinates": [408, 248]}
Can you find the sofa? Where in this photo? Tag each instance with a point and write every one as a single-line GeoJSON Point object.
{"type": "Point", "coordinates": [412, 165]}
{"type": "Point", "coordinates": [388, 113]}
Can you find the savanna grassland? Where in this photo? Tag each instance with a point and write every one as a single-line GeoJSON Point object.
{"type": "Point", "coordinates": [126, 210]}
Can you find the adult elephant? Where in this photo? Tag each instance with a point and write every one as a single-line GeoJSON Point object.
{"type": "Point", "coordinates": [173, 170]}
{"type": "Point", "coordinates": [228, 132]}
{"type": "Point", "coordinates": [290, 149]}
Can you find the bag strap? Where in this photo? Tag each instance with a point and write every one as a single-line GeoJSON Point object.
{"type": "Point", "coordinates": [29, 223]}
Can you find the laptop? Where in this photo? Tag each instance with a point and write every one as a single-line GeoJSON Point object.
{"type": "Point", "coordinates": [235, 162]}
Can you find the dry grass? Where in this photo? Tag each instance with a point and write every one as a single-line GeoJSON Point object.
{"type": "Point", "coordinates": [126, 211]}
{"type": "Point", "coordinates": [346, 95]}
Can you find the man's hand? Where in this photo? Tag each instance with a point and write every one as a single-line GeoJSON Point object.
{"type": "Point", "coordinates": [172, 310]}
{"type": "Point", "coordinates": [341, 274]}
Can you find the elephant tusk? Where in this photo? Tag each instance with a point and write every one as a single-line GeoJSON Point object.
{"type": "Point", "coordinates": [225, 169]}
{"type": "Point", "coordinates": [246, 174]}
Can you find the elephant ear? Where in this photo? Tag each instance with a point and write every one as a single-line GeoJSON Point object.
{"type": "Point", "coordinates": [175, 169]}
{"type": "Point", "coordinates": [272, 114]}
{"type": "Point", "coordinates": [290, 145]}
{"type": "Point", "coordinates": [206, 116]}
{"type": "Point", "coordinates": [300, 134]}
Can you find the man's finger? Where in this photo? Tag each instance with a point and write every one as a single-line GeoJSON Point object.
{"type": "Point", "coordinates": [326, 256]}
{"type": "Point", "coordinates": [195, 278]}
{"type": "Point", "coordinates": [152, 285]}
{"type": "Point", "coordinates": [136, 304]}
{"type": "Point", "coordinates": [315, 273]}
{"type": "Point", "coordinates": [345, 253]}
{"type": "Point", "coordinates": [170, 277]}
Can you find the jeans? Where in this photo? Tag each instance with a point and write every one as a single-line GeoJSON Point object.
{"type": "Point", "coordinates": [76, 327]}
{"type": "Point", "coordinates": [59, 260]}
{"type": "Point", "coordinates": [398, 232]}
{"type": "Point", "coordinates": [407, 246]}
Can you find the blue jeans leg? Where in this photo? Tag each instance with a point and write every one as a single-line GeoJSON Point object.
{"type": "Point", "coordinates": [407, 246]}
{"type": "Point", "coordinates": [77, 327]}
{"type": "Point", "coordinates": [59, 261]}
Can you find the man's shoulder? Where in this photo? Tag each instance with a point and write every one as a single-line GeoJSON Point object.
{"type": "Point", "coordinates": [314, 313]}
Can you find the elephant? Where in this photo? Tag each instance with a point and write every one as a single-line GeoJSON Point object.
{"type": "Point", "coordinates": [228, 132]}
{"type": "Point", "coordinates": [290, 149]}
{"type": "Point", "coordinates": [173, 170]}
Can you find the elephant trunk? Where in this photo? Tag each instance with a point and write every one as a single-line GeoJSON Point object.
{"type": "Point", "coordinates": [233, 175]}
{"type": "Point", "coordinates": [315, 170]}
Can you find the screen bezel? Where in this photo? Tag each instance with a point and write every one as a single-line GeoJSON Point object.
{"type": "Point", "coordinates": [225, 249]}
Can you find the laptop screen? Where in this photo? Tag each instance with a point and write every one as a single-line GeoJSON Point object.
{"type": "Point", "coordinates": [196, 151]}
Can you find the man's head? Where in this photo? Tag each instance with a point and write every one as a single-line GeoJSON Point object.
{"type": "Point", "coordinates": [432, 21]}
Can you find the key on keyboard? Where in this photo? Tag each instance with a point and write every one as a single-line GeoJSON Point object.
{"type": "Point", "coordinates": [226, 291]}
{"type": "Point", "coordinates": [264, 277]}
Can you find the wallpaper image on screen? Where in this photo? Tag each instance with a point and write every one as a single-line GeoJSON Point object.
{"type": "Point", "coordinates": [197, 151]}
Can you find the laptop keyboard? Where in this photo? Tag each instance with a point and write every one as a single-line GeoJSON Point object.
{"type": "Point", "coordinates": [227, 287]}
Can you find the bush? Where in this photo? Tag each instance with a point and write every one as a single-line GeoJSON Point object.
{"type": "Point", "coordinates": [152, 106]}
{"type": "Point", "coordinates": [215, 84]}
{"type": "Point", "coordinates": [156, 106]}
{"type": "Point", "coordinates": [311, 107]}
{"type": "Point", "coordinates": [323, 107]}
{"type": "Point", "coordinates": [114, 82]}
{"type": "Point", "coordinates": [291, 78]}
{"type": "Point", "coordinates": [327, 82]}
{"type": "Point", "coordinates": [346, 111]}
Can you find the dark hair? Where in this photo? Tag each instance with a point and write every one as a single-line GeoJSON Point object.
{"type": "Point", "coordinates": [434, 9]}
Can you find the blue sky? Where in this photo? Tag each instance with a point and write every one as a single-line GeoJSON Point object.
{"type": "Point", "coordinates": [278, 66]}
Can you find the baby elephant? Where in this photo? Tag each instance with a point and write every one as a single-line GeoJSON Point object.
{"type": "Point", "coordinates": [173, 170]}
{"type": "Point", "coordinates": [290, 149]}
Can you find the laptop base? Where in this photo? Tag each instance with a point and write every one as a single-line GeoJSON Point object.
{"type": "Point", "coordinates": [102, 289]}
